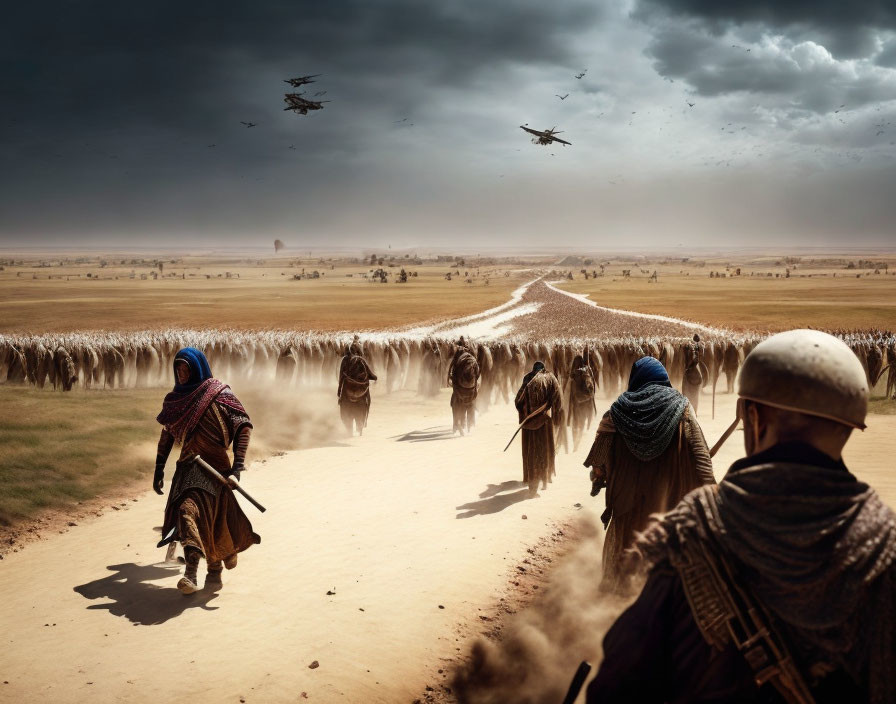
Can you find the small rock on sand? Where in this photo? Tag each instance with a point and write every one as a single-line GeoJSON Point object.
{"type": "Point", "coordinates": [525, 517]}
{"type": "Point", "coordinates": [314, 665]}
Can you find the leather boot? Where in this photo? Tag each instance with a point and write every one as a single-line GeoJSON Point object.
{"type": "Point", "coordinates": [188, 583]}
{"type": "Point", "coordinates": [213, 576]}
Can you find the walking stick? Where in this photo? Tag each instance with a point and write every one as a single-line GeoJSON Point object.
{"type": "Point", "coordinates": [578, 682]}
{"type": "Point", "coordinates": [527, 418]}
{"type": "Point", "coordinates": [726, 434]}
{"type": "Point", "coordinates": [230, 482]}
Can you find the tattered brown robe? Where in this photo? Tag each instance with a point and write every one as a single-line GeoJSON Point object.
{"type": "Point", "coordinates": [206, 515]}
{"type": "Point", "coordinates": [540, 390]}
{"type": "Point", "coordinates": [636, 489]}
{"type": "Point", "coordinates": [353, 392]}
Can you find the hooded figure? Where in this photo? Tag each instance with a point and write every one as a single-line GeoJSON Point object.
{"type": "Point", "coordinates": [696, 373]}
{"type": "Point", "coordinates": [463, 378]}
{"type": "Point", "coordinates": [203, 415]}
{"type": "Point", "coordinates": [649, 452]}
{"type": "Point", "coordinates": [353, 391]}
{"type": "Point", "coordinates": [580, 397]}
{"type": "Point", "coordinates": [540, 405]}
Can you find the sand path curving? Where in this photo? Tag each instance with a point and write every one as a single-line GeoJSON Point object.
{"type": "Point", "coordinates": [397, 523]}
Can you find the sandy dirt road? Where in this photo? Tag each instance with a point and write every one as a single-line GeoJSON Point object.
{"type": "Point", "coordinates": [397, 523]}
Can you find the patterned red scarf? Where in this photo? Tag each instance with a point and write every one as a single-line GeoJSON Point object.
{"type": "Point", "coordinates": [182, 411]}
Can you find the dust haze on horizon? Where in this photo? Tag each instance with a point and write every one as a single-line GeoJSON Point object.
{"type": "Point", "coordinates": [696, 124]}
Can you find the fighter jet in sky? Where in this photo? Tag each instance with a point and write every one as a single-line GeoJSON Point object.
{"type": "Point", "coordinates": [300, 105]}
{"type": "Point", "coordinates": [545, 137]}
{"type": "Point", "coordinates": [302, 80]}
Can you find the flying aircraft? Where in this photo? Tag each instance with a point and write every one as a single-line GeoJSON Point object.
{"type": "Point", "coordinates": [302, 80]}
{"type": "Point", "coordinates": [546, 137]}
{"type": "Point", "coordinates": [301, 106]}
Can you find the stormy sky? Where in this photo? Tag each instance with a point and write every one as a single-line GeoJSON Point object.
{"type": "Point", "coordinates": [697, 123]}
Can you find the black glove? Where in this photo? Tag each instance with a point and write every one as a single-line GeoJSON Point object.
{"type": "Point", "coordinates": [598, 482]}
{"type": "Point", "coordinates": [158, 480]}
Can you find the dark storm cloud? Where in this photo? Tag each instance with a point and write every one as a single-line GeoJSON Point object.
{"type": "Point", "coordinates": [887, 56]}
{"type": "Point", "coordinates": [116, 101]}
{"type": "Point", "coordinates": [830, 14]}
{"type": "Point", "coordinates": [801, 74]}
{"type": "Point", "coordinates": [796, 50]}
{"type": "Point", "coordinates": [172, 64]}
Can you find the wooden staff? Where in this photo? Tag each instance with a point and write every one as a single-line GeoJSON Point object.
{"type": "Point", "coordinates": [726, 434]}
{"type": "Point", "coordinates": [230, 482]}
{"type": "Point", "coordinates": [529, 417]}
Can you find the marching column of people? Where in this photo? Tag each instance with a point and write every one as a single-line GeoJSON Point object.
{"type": "Point", "coordinates": [778, 584]}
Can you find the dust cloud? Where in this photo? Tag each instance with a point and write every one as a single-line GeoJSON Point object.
{"type": "Point", "coordinates": [287, 420]}
{"type": "Point", "coordinates": [542, 646]}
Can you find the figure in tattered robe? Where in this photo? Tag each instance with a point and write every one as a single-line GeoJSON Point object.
{"type": "Point", "coordinates": [649, 452]}
{"type": "Point", "coordinates": [206, 418]}
{"type": "Point", "coordinates": [463, 377]}
{"type": "Point", "coordinates": [353, 392]}
{"type": "Point", "coordinates": [580, 408]}
{"type": "Point", "coordinates": [696, 372]}
{"type": "Point", "coordinates": [539, 403]}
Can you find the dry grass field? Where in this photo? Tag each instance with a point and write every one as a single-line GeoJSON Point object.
{"type": "Point", "coordinates": [239, 293]}
{"type": "Point", "coordinates": [63, 448]}
{"type": "Point", "coordinates": [812, 296]}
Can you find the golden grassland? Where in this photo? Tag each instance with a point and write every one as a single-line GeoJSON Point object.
{"type": "Point", "coordinates": [257, 295]}
{"type": "Point", "coordinates": [63, 448]}
{"type": "Point", "coordinates": [745, 302]}
{"type": "Point", "coordinates": [59, 449]}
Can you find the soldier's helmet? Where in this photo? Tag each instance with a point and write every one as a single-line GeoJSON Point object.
{"type": "Point", "coordinates": [807, 371]}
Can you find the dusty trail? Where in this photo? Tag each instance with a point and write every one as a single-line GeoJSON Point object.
{"type": "Point", "coordinates": [396, 523]}
{"type": "Point", "coordinates": [539, 310]}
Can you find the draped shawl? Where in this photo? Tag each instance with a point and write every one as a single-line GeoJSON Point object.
{"type": "Point", "coordinates": [184, 405]}
{"type": "Point", "coordinates": [816, 546]}
{"type": "Point", "coordinates": [647, 419]}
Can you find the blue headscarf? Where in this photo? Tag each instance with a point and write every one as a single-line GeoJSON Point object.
{"type": "Point", "coordinates": [648, 414]}
{"type": "Point", "coordinates": [647, 370]}
{"type": "Point", "coordinates": [199, 369]}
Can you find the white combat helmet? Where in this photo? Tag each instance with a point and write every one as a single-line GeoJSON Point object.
{"type": "Point", "coordinates": [807, 371]}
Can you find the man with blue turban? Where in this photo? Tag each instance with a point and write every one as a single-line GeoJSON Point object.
{"type": "Point", "coordinates": [204, 416]}
{"type": "Point", "coordinates": [649, 452]}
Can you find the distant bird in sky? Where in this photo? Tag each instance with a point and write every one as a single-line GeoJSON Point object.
{"type": "Point", "coordinates": [581, 75]}
{"type": "Point", "coordinates": [247, 124]}
{"type": "Point", "coordinates": [562, 97]}
{"type": "Point", "coordinates": [292, 146]}
{"type": "Point", "coordinates": [212, 145]}
{"type": "Point", "coordinates": [690, 105]}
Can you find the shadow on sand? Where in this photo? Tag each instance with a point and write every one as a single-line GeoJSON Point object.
{"type": "Point", "coordinates": [141, 603]}
{"type": "Point", "coordinates": [495, 502]}
{"type": "Point", "coordinates": [437, 432]}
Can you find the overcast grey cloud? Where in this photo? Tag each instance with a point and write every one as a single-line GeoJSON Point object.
{"type": "Point", "coordinates": [121, 122]}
